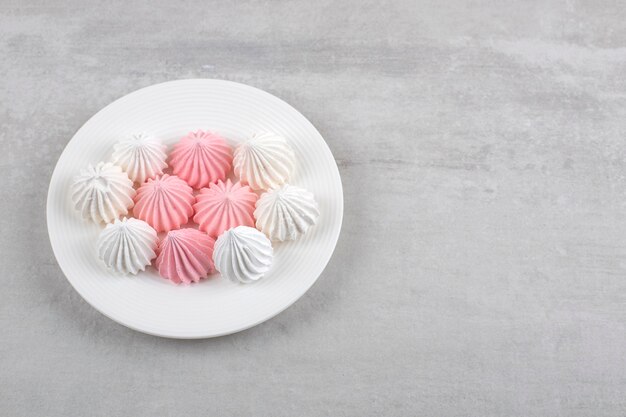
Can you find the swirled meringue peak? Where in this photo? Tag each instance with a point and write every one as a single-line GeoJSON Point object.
{"type": "Point", "coordinates": [102, 193]}
{"type": "Point", "coordinates": [243, 254]}
{"type": "Point", "coordinates": [127, 246]}
{"type": "Point", "coordinates": [141, 156]}
{"type": "Point", "coordinates": [285, 213]}
{"type": "Point", "coordinates": [224, 205]}
{"type": "Point", "coordinates": [165, 203]}
{"type": "Point", "coordinates": [201, 158]}
{"type": "Point", "coordinates": [185, 256]}
{"type": "Point", "coordinates": [264, 161]}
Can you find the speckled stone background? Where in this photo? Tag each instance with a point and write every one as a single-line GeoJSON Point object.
{"type": "Point", "coordinates": [481, 269]}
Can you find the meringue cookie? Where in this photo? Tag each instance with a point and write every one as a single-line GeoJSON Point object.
{"type": "Point", "coordinates": [165, 202]}
{"type": "Point", "coordinates": [264, 161]}
{"type": "Point", "coordinates": [127, 246]}
{"type": "Point", "coordinates": [285, 213]}
{"type": "Point", "coordinates": [201, 158]}
{"type": "Point", "coordinates": [185, 255]}
{"type": "Point", "coordinates": [141, 156]}
{"type": "Point", "coordinates": [223, 206]}
{"type": "Point", "coordinates": [102, 193]}
{"type": "Point", "coordinates": [243, 254]}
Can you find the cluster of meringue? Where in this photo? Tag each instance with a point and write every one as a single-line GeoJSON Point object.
{"type": "Point", "coordinates": [236, 221]}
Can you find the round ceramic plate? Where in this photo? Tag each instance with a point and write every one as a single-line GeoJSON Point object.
{"type": "Point", "coordinates": [214, 307]}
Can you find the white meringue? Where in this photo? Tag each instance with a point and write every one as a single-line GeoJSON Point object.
{"type": "Point", "coordinates": [286, 212]}
{"type": "Point", "coordinates": [142, 156]}
{"type": "Point", "coordinates": [127, 245]}
{"type": "Point", "coordinates": [264, 161]}
{"type": "Point", "coordinates": [103, 192]}
{"type": "Point", "coordinates": [243, 254]}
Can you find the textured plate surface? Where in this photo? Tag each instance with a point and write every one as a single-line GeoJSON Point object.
{"type": "Point", "coordinates": [215, 307]}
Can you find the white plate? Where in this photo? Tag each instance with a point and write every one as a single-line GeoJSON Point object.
{"type": "Point", "coordinates": [214, 307]}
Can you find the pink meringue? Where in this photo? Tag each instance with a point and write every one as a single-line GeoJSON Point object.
{"type": "Point", "coordinates": [201, 158]}
{"type": "Point", "coordinates": [165, 203]}
{"type": "Point", "coordinates": [185, 255]}
{"type": "Point", "coordinates": [223, 206]}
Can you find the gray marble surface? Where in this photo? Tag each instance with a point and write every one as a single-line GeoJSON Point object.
{"type": "Point", "coordinates": [481, 269]}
